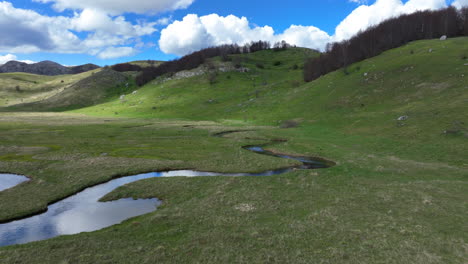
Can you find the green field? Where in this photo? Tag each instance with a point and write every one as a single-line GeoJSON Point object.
{"type": "Point", "coordinates": [397, 195]}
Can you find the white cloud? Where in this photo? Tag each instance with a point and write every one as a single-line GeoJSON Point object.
{"type": "Point", "coordinates": [358, 1]}
{"type": "Point", "coordinates": [116, 7]}
{"type": "Point", "coordinates": [460, 3]}
{"type": "Point", "coordinates": [6, 58]}
{"type": "Point", "coordinates": [194, 33]}
{"type": "Point", "coordinates": [11, 57]}
{"type": "Point", "coordinates": [369, 15]}
{"type": "Point", "coordinates": [309, 37]}
{"type": "Point", "coordinates": [116, 52]}
{"type": "Point", "coordinates": [28, 31]}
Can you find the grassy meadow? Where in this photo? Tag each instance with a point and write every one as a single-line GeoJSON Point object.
{"type": "Point", "coordinates": [398, 193]}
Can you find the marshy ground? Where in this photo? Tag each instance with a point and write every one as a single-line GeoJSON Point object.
{"type": "Point", "coordinates": [370, 207]}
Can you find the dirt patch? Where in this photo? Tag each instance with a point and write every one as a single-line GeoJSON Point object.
{"type": "Point", "coordinates": [245, 207]}
{"type": "Point", "coordinates": [22, 150]}
{"type": "Point", "coordinates": [428, 165]}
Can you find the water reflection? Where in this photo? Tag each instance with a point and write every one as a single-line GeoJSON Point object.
{"type": "Point", "coordinates": [9, 180]}
{"type": "Point", "coordinates": [83, 213]}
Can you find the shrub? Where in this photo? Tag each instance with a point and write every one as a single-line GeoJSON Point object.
{"type": "Point", "coordinates": [277, 63]}
{"type": "Point", "coordinates": [260, 66]}
{"type": "Point", "coordinates": [289, 124]}
{"type": "Point", "coordinates": [125, 67]}
{"type": "Point", "coordinates": [212, 77]}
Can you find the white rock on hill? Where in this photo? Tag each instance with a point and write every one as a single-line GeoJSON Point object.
{"type": "Point", "coordinates": [444, 37]}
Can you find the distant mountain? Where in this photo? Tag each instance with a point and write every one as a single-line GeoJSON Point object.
{"type": "Point", "coordinates": [49, 68]}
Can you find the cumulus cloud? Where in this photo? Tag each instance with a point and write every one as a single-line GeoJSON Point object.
{"type": "Point", "coordinates": [460, 3]}
{"type": "Point", "coordinates": [108, 30]}
{"type": "Point", "coordinates": [7, 58]}
{"type": "Point", "coordinates": [116, 7]}
{"type": "Point", "coordinates": [116, 52]}
{"type": "Point", "coordinates": [193, 33]}
{"type": "Point", "coordinates": [26, 31]}
{"type": "Point", "coordinates": [11, 57]}
{"type": "Point", "coordinates": [369, 15]}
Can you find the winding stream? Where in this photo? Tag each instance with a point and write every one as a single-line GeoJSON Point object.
{"type": "Point", "coordinates": [83, 212]}
{"type": "Point", "coordinates": [8, 181]}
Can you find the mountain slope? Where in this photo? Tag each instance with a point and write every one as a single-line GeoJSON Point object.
{"type": "Point", "coordinates": [18, 87]}
{"type": "Point", "coordinates": [402, 81]}
{"type": "Point", "coordinates": [48, 68]}
{"type": "Point", "coordinates": [91, 90]}
{"type": "Point", "coordinates": [425, 82]}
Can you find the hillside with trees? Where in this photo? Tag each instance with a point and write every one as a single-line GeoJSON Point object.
{"type": "Point", "coordinates": [390, 34]}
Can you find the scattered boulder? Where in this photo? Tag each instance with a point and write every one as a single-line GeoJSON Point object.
{"type": "Point", "coordinates": [431, 50]}
{"type": "Point", "coordinates": [289, 124]}
{"type": "Point", "coordinates": [451, 132]}
{"type": "Point", "coordinates": [444, 37]}
{"type": "Point", "coordinates": [365, 74]}
{"type": "Point", "coordinates": [403, 118]}
{"type": "Point", "coordinates": [135, 92]}
{"type": "Point", "coordinates": [245, 207]}
{"type": "Point", "coordinates": [122, 97]}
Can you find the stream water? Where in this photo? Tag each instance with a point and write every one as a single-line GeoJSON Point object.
{"type": "Point", "coordinates": [9, 180]}
{"type": "Point", "coordinates": [83, 212]}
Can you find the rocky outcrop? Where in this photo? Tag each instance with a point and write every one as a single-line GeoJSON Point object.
{"type": "Point", "coordinates": [44, 68]}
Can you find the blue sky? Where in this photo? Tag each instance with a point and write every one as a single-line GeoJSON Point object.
{"type": "Point", "coordinates": [105, 32]}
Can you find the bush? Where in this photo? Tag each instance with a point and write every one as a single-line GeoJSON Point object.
{"type": "Point", "coordinates": [126, 67]}
{"type": "Point", "coordinates": [260, 66]}
{"type": "Point", "coordinates": [295, 67]}
{"type": "Point", "coordinates": [212, 76]}
{"type": "Point", "coordinates": [277, 63]}
{"type": "Point", "coordinates": [289, 124]}
{"type": "Point", "coordinates": [295, 83]}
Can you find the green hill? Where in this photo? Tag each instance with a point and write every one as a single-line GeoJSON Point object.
{"type": "Point", "coordinates": [39, 93]}
{"type": "Point", "coordinates": [424, 80]}
{"type": "Point", "coordinates": [16, 88]}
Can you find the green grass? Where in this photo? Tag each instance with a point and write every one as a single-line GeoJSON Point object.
{"type": "Point", "coordinates": [33, 88]}
{"type": "Point", "coordinates": [397, 195]}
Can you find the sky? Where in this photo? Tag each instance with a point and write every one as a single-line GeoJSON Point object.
{"type": "Point", "coordinates": [105, 32]}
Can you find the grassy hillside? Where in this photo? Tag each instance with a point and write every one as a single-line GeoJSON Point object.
{"type": "Point", "coordinates": [65, 92]}
{"type": "Point", "coordinates": [365, 99]}
{"type": "Point", "coordinates": [17, 88]}
{"type": "Point", "coordinates": [408, 80]}
{"type": "Point", "coordinates": [397, 195]}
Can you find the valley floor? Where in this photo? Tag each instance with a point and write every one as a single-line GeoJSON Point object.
{"type": "Point", "coordinates": [389, 199]}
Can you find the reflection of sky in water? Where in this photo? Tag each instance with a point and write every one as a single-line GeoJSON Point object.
{"type": "Point", "coordinates": [83, 213]}
{"type": "Point", "coordinates": [8, 180]}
